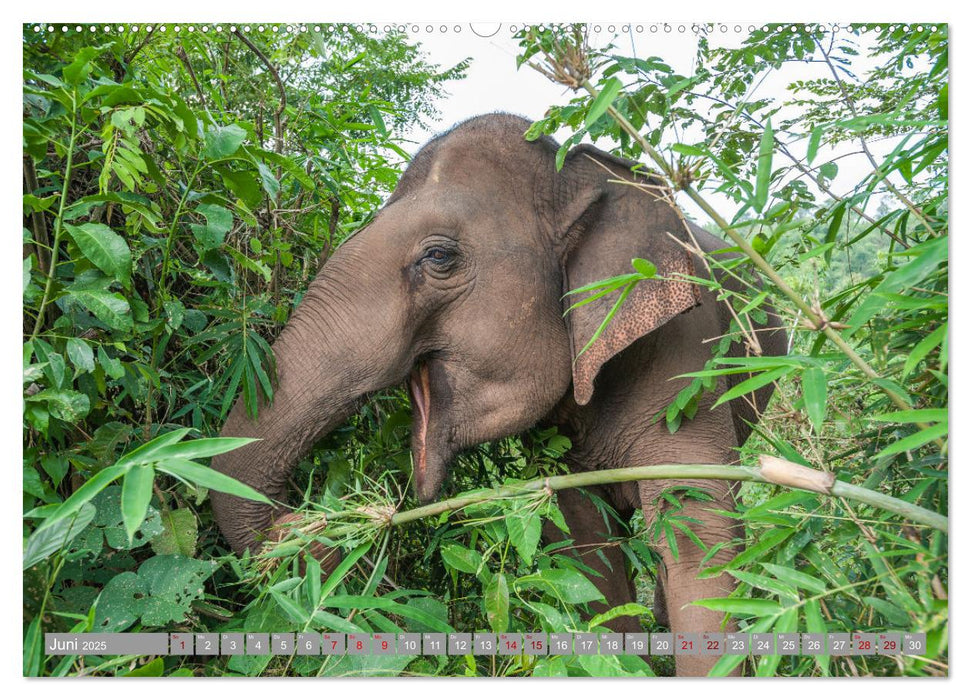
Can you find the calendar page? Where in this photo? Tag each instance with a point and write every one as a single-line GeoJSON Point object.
{"type": "Point", "coordinates": [485, 349]}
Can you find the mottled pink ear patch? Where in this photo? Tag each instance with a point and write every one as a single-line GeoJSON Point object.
{"type": "Point", "coordinates": [650, 305]}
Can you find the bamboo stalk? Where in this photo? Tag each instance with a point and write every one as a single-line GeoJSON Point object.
{"type": "Point", "coordinates": [773, 471]}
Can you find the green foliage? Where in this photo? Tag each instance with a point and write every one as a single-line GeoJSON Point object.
{"type": "Point", "coordinates": [872, 263]}
{"type": "Point", "coordinates": [176, 205]}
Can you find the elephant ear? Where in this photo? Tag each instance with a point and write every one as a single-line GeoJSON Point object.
{"type": "Point", "coordinates": [607, 215]}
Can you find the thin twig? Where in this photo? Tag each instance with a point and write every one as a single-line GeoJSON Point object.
{"type": "Point", "coordinates": [184, 57]}
{"type": "Point", "coordinates": [866, 150]}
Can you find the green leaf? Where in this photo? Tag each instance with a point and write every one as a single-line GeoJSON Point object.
{"type": "Point", "coordinates": [67, 405]}
{"type": "Point", "coordinates": [139, 455]}
{"type": "Point", "coordinates": [88, 490]}
{"type": "Point", "coordinates": [889, 579]}
{"type": "Point", "coordinates": [330, 621]}
{"type": "Point", "coordinates": [248, 263]}
{"type": "Point", "coordinates": [610, 283]}
{"type": "Point", "coordinates": [795, 578]}
{"type": "Point", "coordinates": [244, 185]}
{"type": "Point", "coordinates": [161, 592]}
{"type": "Point", "coordinates": [430, 606]}
{"type": "Point", "coordinates": [754, 607]}
{"type": "Point", "coordinates": [80, 68]}
{"type": "Point", "coordinates": [180, 532]}
{"type": "Point", "coordinates": [347, 563]}
{"type": "Point", "coordinates": [524, 528]}
{"type": "Point", "coordinates": [787, 622]}
{"type": "Point", "coordinates": [370, 603]}
{"type": "Point", "coordinates": [763, 173]}
{"type": "Point", "coordinates": [923, 348]}
{"type": "Point", "coordinates": [223, 141]}
{"type": "Point", "coordinates": [80, 354]}
{"type": "Point", "coordinates": [813, 146]}
{"type": "Point", "coordinates": [928, 256]}
{"type": "Point", "coordinates": [567, 585]}
{"type": "Point", "coordinates": [610, 314]}
{"type": "Point", "coordinates": [378, 120]}
{"type": "Point", "coordinates": [153, 669]}
{"type": "Point", "coordinates": [816, 624]}
{"type": "Point", "coordinates": [291, 609]}
{"type": "Point", "coordinates": [765, 583]}
{"type": "Point", "coordinates": [199, 475]}
{"type": "Point", "coordinates": [496, 600]}
{"type": "Point", "coordinates": [646, 268]}
{"type": "Point", "coordinates": [919, 415]}
{"type": "Point", "coordinates": [688, 150]}
{"type": "Point", "coordinates": [136, 494]}
{"type": "Point", "coordinates": [593, 297]}
{"type": "Point", "coordinates": [754, 382]}
{"type": "Point", "coordinates": [219, 220]}
{"type": "Point", "coordinates": [894, 615]}
{"type": "Point", "coordinates": [28, 265]}
{"type": "Point", "coordinates": [827, 171]}
{"type": "Point", "coordinates": [270, 184]}
{"type": "Point", "coordinates": [912, 442]}
{"type": "Point", "coordinates": [33, 651]}
{"type": "Point", "coordinates": [110, 307]}
{"type": "Point", "coordinates": [197, 449]}
{"type": "Point", "coordinates": [105, 248]}
{"type": "Point", "coordinates": [43, 543]}
{"type": "Point", "coordinates": [460, 558]}
{"type": "Point", "coordinates": [608, 93]}
{"type": "Point", "coordinates": [218, 264]}
{"type": "Point", "coordinates": [814, 395]}
{"type": "Point", "coordinates": [765, 543]}
{"type": "Point", "coordinates": [112, 365]}
{"type": "Point", "coordinates": [728, 662]}
{"type": "Point", "coordinates": [631, 609]}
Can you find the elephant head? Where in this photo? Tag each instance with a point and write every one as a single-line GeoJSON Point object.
{"type": "Point", "coordinates": [457, 287]}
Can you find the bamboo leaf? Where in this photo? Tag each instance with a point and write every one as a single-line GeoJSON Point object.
{"type": "Point", "coordinates": [763, 173]}
{"type": "Point", "coordinates": [136, 493]}
{"type": "Point", "coordinates": [814, 395]}
{"type": "Point", "coordinates": [924, 347]}
{"type": "Point", "coordinates": [795, 578]}
{"type": "Point", "coordinates": [613, 312]}
{"type": "Point", "coordinates": [608, 93]}
{"type": "Point", "coordinates": [752, 383]}
{"type": "Point", "coordinates": [912, 442]}
{"type": "Point", "coordinates": [199, 475]}
{"type": "Point", "coordinates": [813, 147]}
{"type": "Point", "coordinates": [750, 607]}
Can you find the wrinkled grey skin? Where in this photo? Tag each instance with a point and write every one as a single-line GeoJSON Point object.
{"type": "Point", "coordinates": [456, 288]}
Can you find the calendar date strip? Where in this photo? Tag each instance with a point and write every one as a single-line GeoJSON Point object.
{"type": "Point", "coordinates": [485, 644]}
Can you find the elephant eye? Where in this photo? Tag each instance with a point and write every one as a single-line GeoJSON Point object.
{"type": "Point", "coordinates": [438, 255]}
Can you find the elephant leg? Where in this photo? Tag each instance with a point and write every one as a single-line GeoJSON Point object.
{"type": "Point", "coordinates": [591, 545]}
{"type": "Point", "coordinates": [678, 573]}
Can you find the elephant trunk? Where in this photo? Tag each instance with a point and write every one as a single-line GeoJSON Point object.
{"type": "Point", "coordinates": [326, 362]}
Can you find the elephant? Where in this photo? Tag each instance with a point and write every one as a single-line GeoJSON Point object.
{"type": "Point", "coordinates": [457, 288]}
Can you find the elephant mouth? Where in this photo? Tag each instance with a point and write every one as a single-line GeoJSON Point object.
{"type": "Point", "coordinates": [419, 387]}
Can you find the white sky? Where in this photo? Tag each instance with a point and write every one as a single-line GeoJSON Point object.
{"type": "Point", "coordinates": [493, 82]}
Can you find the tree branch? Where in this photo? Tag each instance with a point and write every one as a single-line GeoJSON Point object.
{"type": "Point", "coordinates": [772, 470]}
{"type": "Point", "coordinates": [866, 150]}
